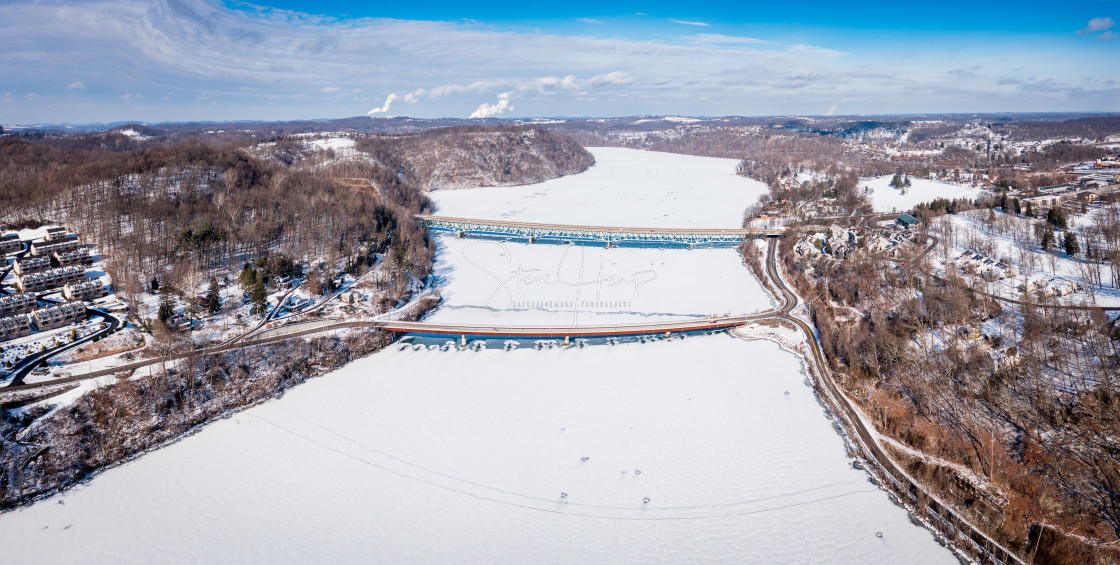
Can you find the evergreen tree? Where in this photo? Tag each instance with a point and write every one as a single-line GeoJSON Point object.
{"type": "Point", "coordinates": [259, 298]}
{"type": "Point", "coordinates": [166, 306]}
{"type": "Point", "coordinates": [155, 285]}
{"type": "Point", "coordinates": [1030, 210]}
{"type": "Point", "coordinates": [1047, 240]}
{"type": "Point", "coordinates": [1056, 218]}
{"type": "Point", "coordinates": [1016, 207]}
{"type": "Point", "coordinates": [896, 181]}
{"type": "Point", "coordinates": [213, 299]}
{"type": "Point", "coordinates": [1070, 244]}
{"type": "Point", "coordinates": [247, 278]}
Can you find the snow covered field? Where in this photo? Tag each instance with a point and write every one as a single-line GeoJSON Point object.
{"type": "Point", "coordinates": [885, 198]}
{"type": "Point", "coordinates": [341, 145]}
{"type": "Point", "coordinates": [625, 187]}
{"type": "Point", "coordinates": [460, 456]}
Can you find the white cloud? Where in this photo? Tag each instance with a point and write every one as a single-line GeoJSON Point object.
{"type": "Point", "coordinates": [32, 97]}
{"type": "Point", "coordinates": [1097, 24]}
{"type": "Point", "coordinates": [543, 85]}
{"type": "Point", "coordinates": [76, 85]}
{"type": "Point", "coordinates": [490, 110]}
{"type": "Point", "coordinates": [719, 38]}
{"type": "Point", "coordinates": [384, 107]}
{"type": "Point", "coordinates": [329, 89]}
{"type": "Point", "coordinates": [688, 23]}
{"type": "Point", "coordinates": [615, 78]}
{"type": "Point", "coordinates": [1108, 35]}
{"type": "Point", "coordinates": [210, 49]}
{"type": "Point", "coordinates": [592, 21]}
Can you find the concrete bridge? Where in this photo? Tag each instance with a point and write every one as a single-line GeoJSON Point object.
{"type": "Point", "coordinates": [609, 236]}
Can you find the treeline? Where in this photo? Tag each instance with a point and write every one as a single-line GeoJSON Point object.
{"type": "Point", "coordinates": [469, 156]}
{"type": "Point", "coordinates": [185, 210]}
{"type": "Point", "coordinates": [1031, 407]}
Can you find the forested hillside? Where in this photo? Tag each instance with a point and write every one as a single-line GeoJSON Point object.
{"type": "Point", "coordinates": [470, 156]}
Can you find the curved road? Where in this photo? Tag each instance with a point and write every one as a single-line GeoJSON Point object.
{"type": "Point", "coordinates": [989, 548]}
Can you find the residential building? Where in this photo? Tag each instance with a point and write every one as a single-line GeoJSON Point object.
{"type": "Point", "coordinates": [45, 248]}
{"type": "Point", "coordinates": [84, 290]}
{"type": "Point", "coordinates": [27, 265]}
{"type": "Point", "coordinates": [12, 327]}
{"type": "Point", "coordinates": [1041, 203]}
{"type": "Point", "coordinates": [10, 243]}
{"type": "Point", "coordinates": [79, 256]}
{"type": "Point", "coordinates": [58, 316]}
{"type": "Point", "coordinates": [906, 220]}
{"type": "Point", "coordinates": [11, 304]}
{"type": "Point", "coordinates": [1003, 360]}
{"type": "Point", "coordinates": [54, 278]}
{"type": "Point", "coordinates": [55, 234]}
{"type": "Point", "coordinates": [1053, 188]}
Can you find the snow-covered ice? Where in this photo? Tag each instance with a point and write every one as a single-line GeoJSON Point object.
{"type": "Point", "coordinates": [885, 198]}
{"type": "Point", "coordinates": [514, 283]}
{"type": "Point", "coordinates": [625, 187]}
{"type": "Point", "coordinates": [462, 456]}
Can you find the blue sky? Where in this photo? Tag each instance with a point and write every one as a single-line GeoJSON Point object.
{"type": "Point", "coordinates": [176, 60]}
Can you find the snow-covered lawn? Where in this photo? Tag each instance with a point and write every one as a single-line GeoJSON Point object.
{"type": "Point", "coordinates": [625, 187]}
{"type": "Point", "coordinates": [1065, 269]}
{"type": "Point", "coordinates": [438, 457]}
{"type": "Point", "coordinates": [885, 198]}
{"type": "Point", "coordinates": [341, 145]}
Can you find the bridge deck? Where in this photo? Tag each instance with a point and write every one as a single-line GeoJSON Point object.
{"type": "Point", "coordinates": [513, 332]}
{"type": "Point", "coordinates": [448, 220]}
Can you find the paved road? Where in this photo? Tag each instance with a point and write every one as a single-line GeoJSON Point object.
{"type": "Point", "coordinates": [869, 438]}
{"type": "Point", "coordinates": [33, 361]}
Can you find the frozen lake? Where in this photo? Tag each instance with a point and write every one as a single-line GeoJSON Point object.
{"type": "Point", "coordinates": [705, 449]}
{"type": "Point", "coordinates": [513, 283]}
{"type": "Point", "coordinates": [460, 456]}
{"type": "Point", "coordinates": [625, 187]}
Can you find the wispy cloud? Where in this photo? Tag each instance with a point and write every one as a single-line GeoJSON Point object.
{"type": "Point", "coordinates": [688, 23]}
{"type": "Point", "coordinates": [1097, 24]}
{"type": "Point", "coordinates": [615, 78]}
{"type": "Point", "coordinates": [717, 38]}
{"type": "Point", "coordinates": [966, 72]}
{"type": "Point", "coordinates": [213, 53]}
{"type": "Point", "coordinates": [592, 21]}
{"type": "Point", "coordinates": [76, 85]}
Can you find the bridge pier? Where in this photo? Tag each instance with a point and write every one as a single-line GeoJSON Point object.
{"type": "Point", "coordinates": [463, 340]}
